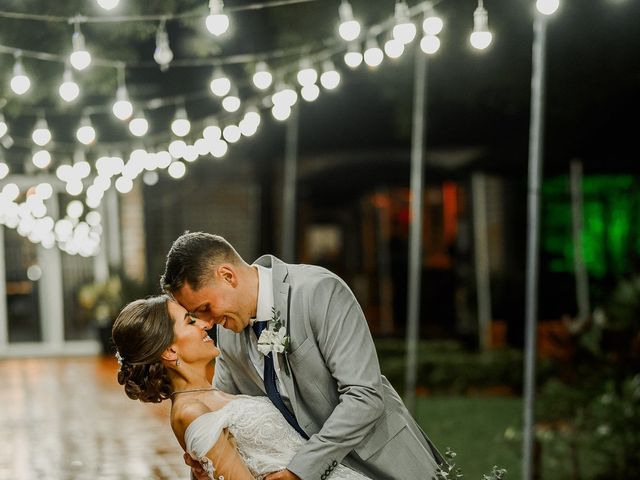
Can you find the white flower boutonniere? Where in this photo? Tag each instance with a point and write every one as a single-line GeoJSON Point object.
{"type": "Point", "coordinates": [274, 338]}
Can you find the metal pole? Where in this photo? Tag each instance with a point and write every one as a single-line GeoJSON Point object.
{"type": "Point", "coordinates": [290, 177]}
{"type": "Point", "coordinates": [536, 132]}
{"type": "Point", "coordinates": [415, 228]}
{"type": "Point", "coordinates": [481, 254]}
{"type": "Point", "coordinates": [582, 278]}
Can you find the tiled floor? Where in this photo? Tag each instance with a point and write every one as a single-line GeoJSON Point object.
{"type": "Point", "coordinates": [68, 419]}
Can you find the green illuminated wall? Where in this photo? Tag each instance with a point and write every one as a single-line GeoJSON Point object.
{"type": "Point", "coordinates": [611, 236]}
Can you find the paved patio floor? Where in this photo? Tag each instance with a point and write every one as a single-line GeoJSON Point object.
{"type": "Point", "coordinates": [68, 419]}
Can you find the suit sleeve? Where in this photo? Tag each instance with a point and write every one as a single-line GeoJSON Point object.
{"type": "Point", "coordinates": [344, 339]}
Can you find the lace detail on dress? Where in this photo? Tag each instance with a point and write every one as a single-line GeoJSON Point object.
{"type": "Point", "coordinates": [265, 441]}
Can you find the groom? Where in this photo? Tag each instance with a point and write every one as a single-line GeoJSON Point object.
{"type": "Point", "coordinates": [320, 368]}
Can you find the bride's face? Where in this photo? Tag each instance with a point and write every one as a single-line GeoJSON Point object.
{"type": "Point", "coordinates": [191, 340]}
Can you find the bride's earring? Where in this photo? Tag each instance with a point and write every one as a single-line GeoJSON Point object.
{"type": "Point", "coordinates": [177, 362]}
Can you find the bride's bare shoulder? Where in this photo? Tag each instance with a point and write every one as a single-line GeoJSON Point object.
{"type": "Point", "coordinates": [185, 412]}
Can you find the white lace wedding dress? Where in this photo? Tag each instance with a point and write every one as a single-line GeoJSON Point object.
{"type": "Point", "coordinates": [265, 441]}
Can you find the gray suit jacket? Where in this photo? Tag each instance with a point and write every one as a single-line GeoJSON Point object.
{"type": "Point", "coordinates": [340, 399]}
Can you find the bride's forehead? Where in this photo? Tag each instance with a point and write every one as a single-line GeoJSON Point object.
{"type": "Point", "coordinates": [176, 310]}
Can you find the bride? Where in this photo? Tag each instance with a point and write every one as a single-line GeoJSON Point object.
{"type": "Point", "coordinates": [165, 353]}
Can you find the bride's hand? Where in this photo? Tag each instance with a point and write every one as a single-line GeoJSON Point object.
{"type": "Point", "coordinates": [197, 471]}
{"type": "Point", "coordinates": [282, 475]}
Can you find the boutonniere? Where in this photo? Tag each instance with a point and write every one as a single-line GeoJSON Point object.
{"type": "Point", "coordinates": [274, 338]}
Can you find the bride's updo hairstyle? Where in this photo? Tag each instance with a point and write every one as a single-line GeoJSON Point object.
{"type": "Point", "coordinates": [141, 333]}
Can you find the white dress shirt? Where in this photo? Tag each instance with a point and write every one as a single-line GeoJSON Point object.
{"type": "Point", "coordinates": [264, 312]}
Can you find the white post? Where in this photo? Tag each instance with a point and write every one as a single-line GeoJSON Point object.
{"type": "Point", "coordinates": [481, 254]}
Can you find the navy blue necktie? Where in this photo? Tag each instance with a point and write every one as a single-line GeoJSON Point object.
{"type": "Point", "coordinates": [270, 385]}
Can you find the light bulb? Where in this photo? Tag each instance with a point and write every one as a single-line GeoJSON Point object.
{"type": "Point", "coordinates": [177, 169]}
{"type": "Point", "coordinates": [547, 7]}
{"type": "Point", "coordinates": [122, 107]}
{"type": "Point", "coordinates": [285, 96]}
{"type": "Point", "coordinates": [41, 159]}
{"type": "Point", "coordinates": [80, 58]}
{"type": "Point", "coordinates": [281, 112]}
{"type": "Point", "coordinates": [177, 148]}
{"type": "Point", "coordinates": [20, 82]}
{"type": "Point", "coordinates": [430, 44]}
{"type": "Point", "coordinates": [220, 84]}
{"type": "Point", "coordinates": [41, 134]}
{"type": "Point", "coordinates": [432, 24]}
{"type": "Point", "coordinates": [393, 48]}
{"type": "Point", "coordinates": [162, 54]}
{"type": "Point", "coordinates": [353, 57]}
{"type": "Point", "coordinates": [481, 36]}
{"type": "Point", "coordinates": [138, 125]}
{"type": "Point", "coordinates": [86, 134]}
{"type": "Point", "coordinates": [307, 75]}
{"type": "Point", "coordinates": [4, 128]}
{"type": "Point", "coordinates": [231, 133]}
{"type": "Point", "coordinates": [373, 56]}
{"type": "Point", "coordinates": [404, 30]}
{"type": "Point", "coordinates": [217, 22]}
{"type": "Point", "coordinates": [4, 170]}
{"type": "Point", "coordinates": [69, 89]}
{"type": "Point", "coordinates": [349, 28]}
{"type": "Point", "coordinates": [330, 77]}
{"type": "Point", "coordinates": [75, 209]}
{"type": "Point", "coordinates": [211, 133]}
{"type": "Point", "coordinates": [231, 103]}
{"type": "Point", "coordinates": [108, 4]}
{"type": "Point", "coordinates": [310, 92]}
{"type": "Point", "coordinates": [262, 78]}
{"type": "Point", "coordinates": [219, 148]}
{"type": "Point", "coordinates": [181, 125]}
{"type": "Point", "coordinates": [44, 191]}
{"type": "Point", "coordinates": [124, 184]}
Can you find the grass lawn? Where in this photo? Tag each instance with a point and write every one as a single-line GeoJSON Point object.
{"type": "Point", "coordinates": [474, 428]}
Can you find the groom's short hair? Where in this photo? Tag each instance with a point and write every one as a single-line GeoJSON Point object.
{"type": "Point", "coordinates": [192, 258]}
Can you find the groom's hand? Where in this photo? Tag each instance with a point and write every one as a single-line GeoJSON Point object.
{"type": "Point", "coordinates": [197, 471]}
{"type": "Point", "coordinates": [282, 475]}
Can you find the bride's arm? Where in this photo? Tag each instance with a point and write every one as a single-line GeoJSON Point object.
{"type": "Point", "coordinates": [222, 460]}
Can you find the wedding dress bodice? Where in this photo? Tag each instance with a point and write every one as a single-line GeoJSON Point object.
{"type": "Point", "coordinates": [265, 441]}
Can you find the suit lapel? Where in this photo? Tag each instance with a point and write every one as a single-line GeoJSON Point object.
{"type": "Point", "coordinates": [281, 303]}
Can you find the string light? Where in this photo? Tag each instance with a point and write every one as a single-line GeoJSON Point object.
{"type": "Point", "coordinates": [353, 56]}
{"type": "Point", "coordinates": [481, 37]}
{"type": "Point", "coordinates": [310, 92]}
{"type": "Point", "coordinates": [262, 78]}
{"type": "Point", "coordinates": [430, 44]}
{"type": "Point", "coordinates": [41, 159]}
{"type": "Point", "coordinates": [432, 24]}
{"type": "Point", "coordinates": [80, 58]}
{"type": "Point", "coordinates": [404, 30]}
{"type": "Point", "coordinates": [349, 28]}
{"type": "Point", "coordinates": [181, 125]}
{"type": "Point", "coordinates": [394, 48]}
{"type": "Point", "coordinates": [177, 169]}
{"type": "Point", "coordinates": [69, 89]}
{"type": "Point", "coordinates": [41, 134]}
{"type": "Point", "coordinates": [307, 75]}
{"type": "Point", "coordinates": [122, 107]}
{"type": "Point", "coordinates": [86, 134]}
{"type": "Point", "coordinates": [547, 7]}
{"type": "Point", "coordinates": [220, 84]}
{"type": "Point", "coordinates": [162, 54]}
{"type": "Point", "coordinates": [231, 103]}
{"type": "Point", "coordinates": [4, 128]}
{"type": "Point", "coordinates": [20, 82]}
{"type": "Point", "coordinates": [4, 170]}
{"type": "Point", "coordinates": [281, 112]}
{"type": "Point", "coordinates": [138, 125]}
{"type": "Point", "coordinates": [108, 4]}
{"type": "Point", "coordinates": [217, 22]}
{"type": "Point", "coordinates": [373, 56]}
{"type": "Point", "coordinates": [330, 78]}
{"type": "Point", "coordinates": [177, 148]}
{"type": "Point", "coordinates": [231, 133]}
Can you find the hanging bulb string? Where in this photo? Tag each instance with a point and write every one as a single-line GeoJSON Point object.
{"type": "Point", "coordinates": [195, 13]}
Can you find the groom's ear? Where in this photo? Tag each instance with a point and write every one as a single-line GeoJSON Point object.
{"type": "Point", "coordinates": [227, 273]}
